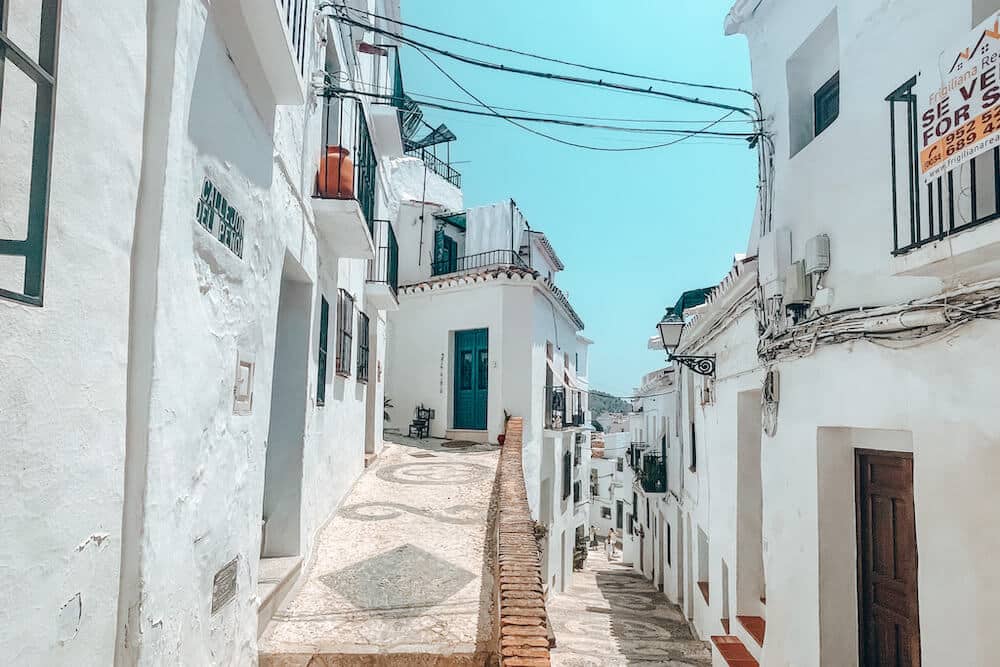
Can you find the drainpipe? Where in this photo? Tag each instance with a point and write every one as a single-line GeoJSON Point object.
{"type": "Point", "coordinates": [161, 46]}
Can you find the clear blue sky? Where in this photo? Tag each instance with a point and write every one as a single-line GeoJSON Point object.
{"type": "Point", "coordinates": [634, 229]}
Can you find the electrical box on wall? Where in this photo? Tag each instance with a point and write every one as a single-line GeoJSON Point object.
{"type": "Point", "coordinates": [774, 254]}
{"type": "Point", "coordinates": [796, 289]}
{"type": "Point", "coordinates": [818, 254]}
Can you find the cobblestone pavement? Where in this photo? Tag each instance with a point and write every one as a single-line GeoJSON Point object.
{"type": "Point", "coordinates": [613, 616]}
{"type": "Point", "coordinates": [399, 569]}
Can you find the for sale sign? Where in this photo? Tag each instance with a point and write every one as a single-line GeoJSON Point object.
{"type": "Point", "coordinates": [960, 113]}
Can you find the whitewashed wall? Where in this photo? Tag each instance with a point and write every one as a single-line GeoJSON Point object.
{"type": "Point", "coordinates": [64, 365]}
{"type": "Point", "coordinates": [858, 394]}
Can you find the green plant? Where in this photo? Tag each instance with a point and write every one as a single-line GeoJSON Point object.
{"type": "Point", "coordinates": [386, 404]}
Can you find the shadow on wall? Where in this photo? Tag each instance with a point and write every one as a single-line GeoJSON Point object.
{"type": "Point", "coordinates": [221, 119]}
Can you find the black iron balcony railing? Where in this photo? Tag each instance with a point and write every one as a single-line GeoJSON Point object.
{"type": "Point", "coordinates": [296, 14]}
{"type": "Point", "coordinates": [438, 166]}
{"type": "Point", "coordinates": [635, 453]}
{"type": "Point", "coordinates": [478, 261]}
{"type": "Point", "coordinates": [579, 419]}
{"type": "Point", "coordinates": [653, 473]}
{"type": "Point", "coordinates": [385, 267]}
{"type": "Point", "coordinates": [347, 166]}
{"type": "Point", "coordinates": [555, 407]}
{"type": "Point", "coordinates": [960, 199]}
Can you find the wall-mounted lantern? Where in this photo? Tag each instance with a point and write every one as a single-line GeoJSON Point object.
{"type": "Point", "coordinates": [671, 327]}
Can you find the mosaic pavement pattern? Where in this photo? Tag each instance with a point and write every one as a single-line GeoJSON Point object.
{"type": "Point", "coordinates": [399, 569]}
{"type": "Point", "coordinates": [613, 616]}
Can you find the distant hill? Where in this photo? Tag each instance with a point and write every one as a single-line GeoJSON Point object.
{"type": "Point", "coordinates": [601, 403]}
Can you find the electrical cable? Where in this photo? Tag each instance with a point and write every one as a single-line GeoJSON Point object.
{"type": "Point", "coordinates": [418, 97]}
{"type": "Point", "coordinates": [555, 121]}
{"type": "Point", "coordinates": [527, 54]}
{"type": "Point", "coordinates": [538, 74]}
{"type": "Point", "coordinates": [557, 139]}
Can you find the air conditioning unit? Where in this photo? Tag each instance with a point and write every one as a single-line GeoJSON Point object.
{"type": "Point", "coordinates": [774, 254]}
{"type": "Point", "coordinates": [796, 286]}
{"type": "Point", "coordinates": [817, 254]}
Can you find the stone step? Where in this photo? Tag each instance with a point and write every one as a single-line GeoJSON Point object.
{"type": "Point", "coordinates": [275, 578]}
{"type": "Point", "coordinates": [729, 650]}
{"type": "Point", "coordinates": [750, 630]}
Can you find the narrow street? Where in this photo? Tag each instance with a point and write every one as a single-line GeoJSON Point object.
{"type": "Point", "coordinates": [613, 616]}
{"type": "Point", "coordinates": [399, 569]}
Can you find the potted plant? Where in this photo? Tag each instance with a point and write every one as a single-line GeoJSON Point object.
{"type": "Point", "coordinates": [503, 436]}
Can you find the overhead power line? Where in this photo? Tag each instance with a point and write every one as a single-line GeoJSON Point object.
{"type": "Point", "coordinates": [559, 61]}
{"type": "Point", "coordinates": [515, 123]}
{"type": "Point", "coordinates": [752, 114]}
{"type": "Point", "coordinates": [419, 97]}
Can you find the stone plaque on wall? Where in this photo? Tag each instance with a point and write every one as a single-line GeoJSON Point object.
{"type": "Point", "coordinates": [224, 585]}
{"type": "Point", "coordinates": [243, 386]}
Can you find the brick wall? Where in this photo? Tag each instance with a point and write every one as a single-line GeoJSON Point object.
{"type": "Point", "coordinates": [523, 622]}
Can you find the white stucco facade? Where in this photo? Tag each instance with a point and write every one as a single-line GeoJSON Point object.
{"type": "Point", "coordinates": [532, 343]}
{"type": "Point", "coordinates": [178, 422]}
{"type": "Point", "coordinates": [769, 520]}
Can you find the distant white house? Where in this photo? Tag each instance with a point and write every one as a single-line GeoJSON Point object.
{"type": "Point", "coordinates": [482, 332]}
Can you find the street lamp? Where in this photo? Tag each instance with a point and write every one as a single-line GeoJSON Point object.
{"type": "Point", "coordinates": [671, 327]}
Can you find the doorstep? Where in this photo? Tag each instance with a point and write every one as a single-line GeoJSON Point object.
{"type": "Point", "coordinates": [733, 651]}
{"type": "Point", "coordinates": [275, 578]}
{"type": "Point", "coordinates": [473, 435]}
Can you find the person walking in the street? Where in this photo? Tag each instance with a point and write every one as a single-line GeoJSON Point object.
{"type": "Point", "coordinates": [593, 537]}
{"type": "Point", "coordinates": [610, 545]}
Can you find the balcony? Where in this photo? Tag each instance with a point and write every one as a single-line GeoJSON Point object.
{"type": "Point", "coordinates": [493, 258]}
{"type": "Point", "coordinates": [274, 46]}
{"type": "Point", "coordinates": [653, 473]}
{"type": "Point", "coordinates": [382, 284]}
{"type": "Point", "coordinates": [344, 200]}
{"type": "Point", "coordinates": [941, 229]}
{"type": "Point", "coordinates": [440, 167]}
{"type": "Point", "coordinates": [555, 407]}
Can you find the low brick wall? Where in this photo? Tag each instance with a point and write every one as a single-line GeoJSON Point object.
{"type": "Point", "coordinates": [523, 622]}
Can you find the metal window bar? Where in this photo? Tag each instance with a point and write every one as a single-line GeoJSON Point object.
{"type": "Point", "coordinates": [362, 347]}
{"type": "Point", "coordinates": [42, 72]}
{"type": "Point", "coordinates": [478, 261]}
{"type": "Point", "coordinates": [347, 166]}
{"type": "Point", "coordinates": [555, 407]}
{"type": "Point", "coordinates": [324, 326]}
{"type": "Point", "coordinates": [385, 267]}
{"type": "Point", "coordinates": [960, 199]}
{"type": "Point", "coordinates": [438, 166]}
{"type": "Point", "coordinates": [345, 334]}
{"type": "Point", "coordinates": [296, 13]}
{"type": "Point", "coordinates": [653, 473]}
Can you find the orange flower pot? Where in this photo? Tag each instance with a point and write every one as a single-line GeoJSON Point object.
{"type": "Point", "coordinates": [336, 174]}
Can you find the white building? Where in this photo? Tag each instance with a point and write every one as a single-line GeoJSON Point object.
{"type": "Point", "coordinates": [844, 446]}
{"type": "Point", "coordinates": [199, 383]}
{"type": "Point", "coordinates": [483, 332]}
{"type": "Point", "coordinates": [654, 408]}
{"type": "Point", "coordinates": [611, 487]}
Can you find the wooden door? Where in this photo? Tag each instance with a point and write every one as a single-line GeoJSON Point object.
{"type": "Point", "coordinates": [889, 631]}
{"type": "Point", "coordinates": [471, 378]}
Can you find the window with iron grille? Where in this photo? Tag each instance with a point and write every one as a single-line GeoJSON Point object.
{"type": "Point", "coordinates": [345, 332]}
{"type": "Point", "coordinates": [620, 464]}
{"type": "Point", "coordinates": [567, 474]}
{"type": "Point", "coordinates": [27, 89]}
{"type": "Point", "coordinates": [693, 465]}
{"type": "Point", "coordinates": [619, 514]}
{"type": "Point", "coordinates": [605, 512]}
{"type": "Point", "coordinates": [826, 104]}
{"type": "Point", "coordinates": [577, 492]}
{"type": "Point", "coordinates": [324, 326]}
{"type": "Point", "coordinates": [362, 347]}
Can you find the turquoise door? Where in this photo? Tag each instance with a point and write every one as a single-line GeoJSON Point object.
{"type": "Point", "coordinates": [472, 364]}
